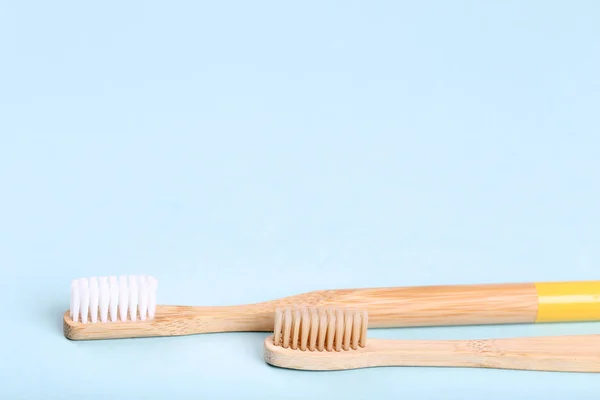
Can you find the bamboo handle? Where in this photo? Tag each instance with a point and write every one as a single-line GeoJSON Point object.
{"type": "Point", "coordinates": [441, 305]}
{"type": "Point", "coordinates": [579, 353]}
{"type": "Point", "coordinates": [473, 304]}
{"type": "Point", "coordinates": [560, 354]}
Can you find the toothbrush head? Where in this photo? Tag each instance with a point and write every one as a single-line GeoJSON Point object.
{"type": "Point", "coordinates": [113, 299]}
{"type": "Point", "coordinates": [320, 328]}
{"type": "Point", "coordinates": [318, 338]}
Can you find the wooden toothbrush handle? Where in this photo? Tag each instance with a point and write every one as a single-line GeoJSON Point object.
{"type": "Point", "coordinates": [440, 305]}
{"type": "Point", "coordinates": [577, 353]}
{"type": "Point", "coordinates": [559, 354]}
{"type": "Point", "coordinates": [508, 303]}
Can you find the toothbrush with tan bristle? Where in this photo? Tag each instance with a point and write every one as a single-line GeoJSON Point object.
{"type": "Point", "coordinates": [126, 307]}
{"type": "Point", "coordinates": [325, 339]}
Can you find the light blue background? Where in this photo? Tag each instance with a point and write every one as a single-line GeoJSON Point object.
{"type": "Point", "coordinates": [244, 151]}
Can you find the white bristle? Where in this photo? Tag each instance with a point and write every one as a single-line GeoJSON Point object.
{"type": "Point", "coordinates": [152, 288]}
{"type": "Point", "coordinates": [71, 302]}
{"type": "Point", "coordinates": [104, 299]}
{"type": "Point", "coordinates": [113, 305]}
{"type": "Point", "coordinates": [123, 297]}
{"type": "Point", "coordinates": [84, 292]}
{"type": "Point", "coordinates": [94, 299]}
{"type": "Point", "coordinates": [133, 297]}
{"type": "Point", "coordinates": [143, 297]}
{"type": "Point", "coordinates": [112, 299]}
{"type": "Point", "coordinates": [75, 299]}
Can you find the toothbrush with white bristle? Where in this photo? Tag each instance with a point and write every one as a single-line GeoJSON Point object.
{"type": "Point", "coordinates": [103, 300]}
{"type": "Point", "coordinates": [125, 306]}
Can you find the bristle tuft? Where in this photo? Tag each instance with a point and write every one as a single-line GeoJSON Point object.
{"type": "Point", "coordinates": [111, 299]}
{"type": "Point", "coordinates": [320, 328]}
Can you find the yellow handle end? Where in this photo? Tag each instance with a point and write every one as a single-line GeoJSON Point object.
{"type": "Point", "coordinates": [568, 301]}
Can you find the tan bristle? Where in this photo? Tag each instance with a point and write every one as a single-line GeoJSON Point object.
{"type": "Point", "coordinates": [320, 328]}
{"type": "Point", "coordinates": [304, 329]}
{"type": "Point", "coordinates": [314, 329]}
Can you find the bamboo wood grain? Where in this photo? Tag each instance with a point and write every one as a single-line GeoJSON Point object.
{"type": "Point", "coordinates": [560, 354]}
{"type": "Point", "coordinates": [387, 308]}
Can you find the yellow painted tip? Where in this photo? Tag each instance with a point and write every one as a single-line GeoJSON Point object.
{"type": "Point", "coordinates": [568, 301]}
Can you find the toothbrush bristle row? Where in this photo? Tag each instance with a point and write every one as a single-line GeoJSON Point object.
{"type": "Point", "coordinates": [112, 299]}
{"type": "Point", "coordinates": [320, 328]}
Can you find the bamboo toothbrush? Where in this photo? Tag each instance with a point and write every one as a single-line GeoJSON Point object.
{"type": "Point", "coordinates": [125, 307]}
{"type": "Point", "coordinates": [336, 339]}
